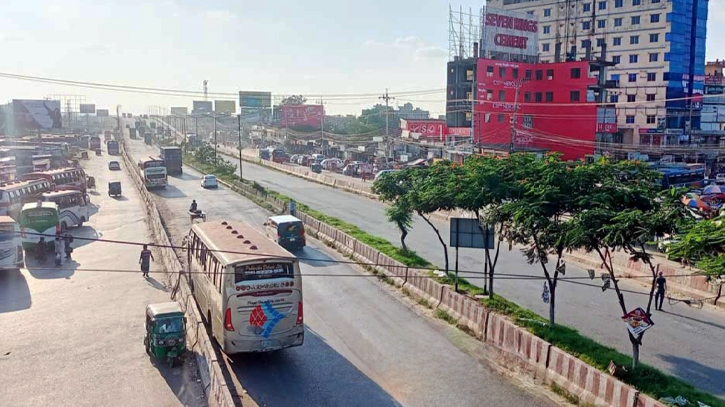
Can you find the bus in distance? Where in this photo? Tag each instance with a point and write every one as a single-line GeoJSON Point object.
{"type": "Point", "coordinates": [64, 178]}
{"type": "Point", "coordinates": [113, 147]}
{"type": "Point", "coordinates": [73, 207]}
{"type": "Point", "coordinates": [95, 142]}
{"type": "Point", "coordinates": [14, 194]}
{"type": "Point", "coordinates": [11, 247]}
{"type": "Point", "coordinates": [248, 288]}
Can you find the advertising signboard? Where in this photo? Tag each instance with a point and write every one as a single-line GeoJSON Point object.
{"type": "Point", "coordinates": [255, 100]}
{"type": "Point", "coordinates": [37, 114]}
{"type": "Point", "coordinates": [509, 32]}
{"type": "Point", "coordinates": [225, 106]}
{"type": "Point", "coordinates": [607, 127]}
{"type": "Point", "coordinates": [426, 128]}
{"type": "Point", "coordinates": [459, 131]}
{"type": "Point", "coordinates": [180, 111]}
{"type": "Point", "coordinates": [302, 115]}
{"type": "Point", "coordinates": [87, 108]}
{"type": "Point", "coordinates": [714, 80]}
{"type": "Point", "coordinates": [637, 321]}
{"type": "Point", "coordinates": [202, 107]}
{"type": "Point", "coordinates": [102, 112]}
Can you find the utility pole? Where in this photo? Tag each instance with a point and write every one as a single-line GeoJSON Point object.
{"type": "Point", "coordinates": [213, 115]}
{"type": "Point", "coordinates": [386, 97]}
{"type": "Point", "coordinates": [513, 117]}
{"type": "Point", "coordinates": [206, 88]}
{"type": "Point", "coordinates": [241, 174]}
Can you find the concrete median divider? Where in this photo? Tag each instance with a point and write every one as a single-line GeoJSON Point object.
{"type": "Point", "coordinates": [217, 390]}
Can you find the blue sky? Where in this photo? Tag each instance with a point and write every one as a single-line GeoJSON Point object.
{"type": "Point", "coordinates": [309, 47]}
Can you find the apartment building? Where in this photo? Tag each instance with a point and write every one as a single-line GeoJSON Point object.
{"type": "Point", "coordinates": [659, 48]}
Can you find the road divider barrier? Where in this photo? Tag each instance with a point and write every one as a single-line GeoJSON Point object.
{"type": "Point", "coordinates": [217, 390]}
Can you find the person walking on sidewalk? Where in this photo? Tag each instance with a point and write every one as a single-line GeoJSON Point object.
{"type": "Point", "coordinates": [661, 289]}
{"type": "Point", "coordinates": [145, 260]}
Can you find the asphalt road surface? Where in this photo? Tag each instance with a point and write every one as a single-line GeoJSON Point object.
{"type": "Point", "coordinates": [363, 346]}
{"type": "Point", "coordinates": [72, 337]}
{"type": "Point", "coordinates": [682, 342]}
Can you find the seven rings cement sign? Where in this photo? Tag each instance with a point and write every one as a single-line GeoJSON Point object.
{"type": "Point", "coordinates": [510, 32]}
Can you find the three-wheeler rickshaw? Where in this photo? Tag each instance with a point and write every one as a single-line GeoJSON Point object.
{"type": "Point", "coordinates": [165, 332]}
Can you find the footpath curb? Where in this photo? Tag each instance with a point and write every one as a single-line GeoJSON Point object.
{"type": "Point", "coordinates": [217, 390]}
{"type": "Point", "coordinates": [513, 348]}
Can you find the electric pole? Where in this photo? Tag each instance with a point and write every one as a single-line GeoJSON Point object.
{"type": "Point", "coordinates": [513, 117]}
{"type": "Point", "coordinates": [386, 97]}
{"type": "Point", "coordinates": [215, 143]}
{"type": "Point", "coordinates": [241, 176]}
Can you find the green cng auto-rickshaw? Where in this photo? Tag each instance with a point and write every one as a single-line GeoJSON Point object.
{"type": "Point", "coordinates": [165, 331]}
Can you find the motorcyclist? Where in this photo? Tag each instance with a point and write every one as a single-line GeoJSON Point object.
{"type": "Point", "coordinates": [193, 207]}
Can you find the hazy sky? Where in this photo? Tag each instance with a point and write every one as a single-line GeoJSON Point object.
{"type": "Point", "coordinates": [310, 47]}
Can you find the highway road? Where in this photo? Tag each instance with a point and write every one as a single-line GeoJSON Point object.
{"type": "Point", "coordinates": [363, 347]}
{"type": "Point", "coordinates": [681, 342]}
{"type": "Point", "coordinates": [72, 337]}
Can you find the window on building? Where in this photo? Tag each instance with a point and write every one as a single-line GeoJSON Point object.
{"type": "Point", "coordinates": [501, 95]}
{"type": "Point", "coordinates": [633, 59]}
{"type": "Point", "coordinates": [515, 73]}
{"type": "Point", "coordinates": [586, 44]}
{"type": "Point", "coordinates": [615, 77]}
{"type": "Point", "coordinates": [527, 97]}
{"type": "Point", "coordinates": [469, 95]}
{"type": "Point", "coordinates": [600, 42]}
{"type": "Point", "coordinates": [489, 71]}
{"type": "Point", "coordinates": [574, 95]}
{"type": "Point", "coordinates": [489, 94]}
{"type": "Point", "coordinates": [618, 22]}
{"type": "Point", "coordinates": [632, 77]}
{"type": "Point", "coordinates": [634, 39]}
{"type": "Point", "coordinates": [587, 7]}
{"type": "Point", "coordinates": [655, 1]}
{"type": "Point", "coordinates": [576, 73]}
{"type": "Point", "coordinates": [602, 5]}
{"type": "Point", "coordinates": [629, 119]}
{"type": "Point", "coordinates": [487, 117]}
{"type": "Point", "coordinates": [617, 41]}
{"type": "Point", "coordinates": [501, 118]}
{"type": "Point", "coordinates": [545, 47]}
{"type": "Point", "coordinates": [618, 3]}
{"type": "Point", "coordinates": [549, 74]}
{"type": "Point", "coordinates": [651, 119]}
{"type": "Point", "coordinates": [613, 98]}
{"type": "Point", "coordinates": [651, 97]}
{"type": "Point", "coordinates": [601, 23]}
{"type": "Point", "coordinates": [586, 25]}
{"type": "Point", "coordinates": [501, 72]}
{"type": "Point", "coordinates": [654, 57]}
{"type": "Point", "coordinates": [546, 29]}
{"type": "Point", "coordinates": [469, 75]}
{"type": "Point", "coordinates": [616, 59]}
{"type": "Point", "coordinates": [651, 76]}
{"type": "Point", "coordinates": [547, 12]}
{"type": "Point", "coordinates": [635, 20]}
{"type": "Point", "coordinates": [538, 97]}
{"type": "Point", "coordinates": [549, 96]}
{"type": "Point", "coordinates": [636, 2]}
{"type": "Point", "coordinates": [654, 38]}
{"type": "Point", "coordinates": [539, 75]}
{"type": "Point", "coordinates": [654, 18]}
{"type": "Point", "coordinates": [527, 74]}
{"type": "Point", "coordinates": [631, 98]}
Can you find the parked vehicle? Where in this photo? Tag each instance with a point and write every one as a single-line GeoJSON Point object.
{"type": "Point", "coordinates": [318, 157]}
{"type": "Point", "coordinates": [382, 173]}
{"type": "Point", "coordinates": [293, 159]}
{"type": "Point", "coordinates": [73, 207]}
{"type": "Point", "coordinates": [165, 331]}
{"type": "Point", "coordinates": [172, 157]}
{"type": "Point", "coordinates": [11, 244]}
{"type": "Point", "coordinates": [209, 181]}
{"type": "Point", "coordinates": [287, 231]}
{"type": "Point", "coordinates": [40, 218]}
{"type": "Point", "coordinates": [316, 167]}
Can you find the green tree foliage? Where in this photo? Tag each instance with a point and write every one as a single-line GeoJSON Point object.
{"type": "Point", "coordinates": [293, 100]}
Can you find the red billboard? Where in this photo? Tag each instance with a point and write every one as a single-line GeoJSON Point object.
{"type": "Point", "coordinates": [302, 115]}
{"type": "Point", "coordinates": [607, 128]}
{"type": "Point", "coordinates": [426, 128]}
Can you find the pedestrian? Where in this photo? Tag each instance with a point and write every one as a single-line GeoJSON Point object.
{"type": "Point", "coordinates": [661, 289]}
{"type": "Point", "coordinates": [40, 251]}
{"type": "Point", "coordinates": [59, 249]}
{"type": "Point", "coordinates": [67, 240]}
{"type": "Point", "coordinates": [145, 260]}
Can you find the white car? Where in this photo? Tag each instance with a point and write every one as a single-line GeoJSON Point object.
{"type": "Point", "coordinates": [209, 181]}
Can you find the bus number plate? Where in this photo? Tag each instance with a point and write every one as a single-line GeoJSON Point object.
{"type": "Point", "coordinates": [266, 344]}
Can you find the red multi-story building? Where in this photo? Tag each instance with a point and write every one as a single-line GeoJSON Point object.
{"type": "Point", "coordinates": [549, 102]}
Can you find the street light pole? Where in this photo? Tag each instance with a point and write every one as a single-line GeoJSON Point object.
{"type": "Point", "coordinates": [241, 173]}
{"type": "Point", "coordinates": [214, 118]}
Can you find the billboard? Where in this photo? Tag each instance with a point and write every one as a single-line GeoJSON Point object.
{"type": "Point", "coordinates": [509, 32]}
{"type": "Point", "coordinates": [426, 128]}
{"type": "Point", "coordinates": [201, 107]}
{"type": "Point", "coordinates": [225, 106]}
{"type": "Point", "coordinates": [102, 112]}
{"type": "Point", "coordinates": [255, 100]}
{"type": "Point", "coordinates": [180, 111]}
{"type": "Point", "coordinates": [37, 114]}
{"type": "Point", "coordinates": [302, 115]}
{"type": "Point", "coordinates": [87, 108]}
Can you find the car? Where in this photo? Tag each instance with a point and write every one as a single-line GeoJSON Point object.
{"type": "Point", "coordinates": [209, 181]}
{"type": "Point", "coordinates": [114, 166]}
{"type": "Point", "coordinates": [383, 172]}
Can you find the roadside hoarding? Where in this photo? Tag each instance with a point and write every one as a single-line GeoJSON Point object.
{"type": "Point", "coordinates": [37, 114]}
{"type": "Point", "coordinates": [102, 112]}
{"type": "Point", "coordinates": [225, 106]}
{"type": "Point", "coordinates": [87, 108]}
{"type": "Point", "coordinates": [426, 128]}
{"type": "Point", "coordinates": [509, 32]}
{"type": "Point", "coordinates": [180, 111]}
{"type": "Point", "coordinates": [255, 100]}
{"type": "Point", "coordinates": [302, 115]}
{"type": "Point", "coordinates": [202, 107]}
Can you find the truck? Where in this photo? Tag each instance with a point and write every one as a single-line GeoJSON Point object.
{"type": "Point", "coordinates": [107, 135]}
{"type": "Point", "coordinates": [132, 133]}
{"type": "Point", "coordinates": [148, 138]}
{"type": "Point", "coordinates": [172, 158]}
{"type": "Point", "coordinates": [137, 124]}
{"type": "Point", "coordinates": [113, 147]}
{"type": "Point", "coordinates": [95, 143]}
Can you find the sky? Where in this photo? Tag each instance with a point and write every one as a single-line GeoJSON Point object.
{"type": "Point", "coordinates": [314, 47]}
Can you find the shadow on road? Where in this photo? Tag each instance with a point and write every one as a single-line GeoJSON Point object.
{"type": "Point", "coordinates": [170, 192]}
{"type": "Point", "coordinates": [48, 269]}
{"type": "Point", "coordinates": [311, 375]}
{"type": "Point", "coordinates": [314, 257]}
{"type": "Point", "coordinates": [83, 236]}
{"type": "Point", "coordinates": [119, 198]}
{"type": "Point", "coordinates": [706, 377]}
{"type": "Point", "coordinates": [14, 291]}
{"type": "Point", "coordinates": [187, 177]}
{"type": "Point", "coordinates": [155, 283]}
{"type": "Point", "coordinates": [712, 324]}
{"type": "Point", "coordinates": [180, 379]}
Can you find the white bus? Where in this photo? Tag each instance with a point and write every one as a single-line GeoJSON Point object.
{"type": "Point", "coordinates": [153, 173]}
{"type": "Point", "coordinates": [248, 288]}
{"type": "Point", "coordinates": [73, 206]}
{"type": "Point", "coordinates": [11, 247]}
{"type": "Point", "coordinates": [14, 194]}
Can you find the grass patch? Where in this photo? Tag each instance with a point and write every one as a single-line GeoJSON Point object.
{"type": "Point", "coordinates": [563, 393]}
{"type": "Point", "coordinates": [406, 291]}
{"type": "Point", "coordinates": [423, 302]}
{"type": "Point", "coordinates": [441, 314]}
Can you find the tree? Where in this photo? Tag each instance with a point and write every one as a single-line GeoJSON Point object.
{"type": "Point", "coordinates": [623, 210]}
{"type": "Point", "coordinates": [390, 188]}
{"type": "Point", "coordinates": [403, 219]}
{"type": "Point", "coordinates": [375, 117]}
{"type": "Point", "coordinates": [293, 100]}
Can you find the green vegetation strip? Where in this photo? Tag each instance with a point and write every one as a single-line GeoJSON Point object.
{"type": "Point", "coordinates": [646, 379]}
